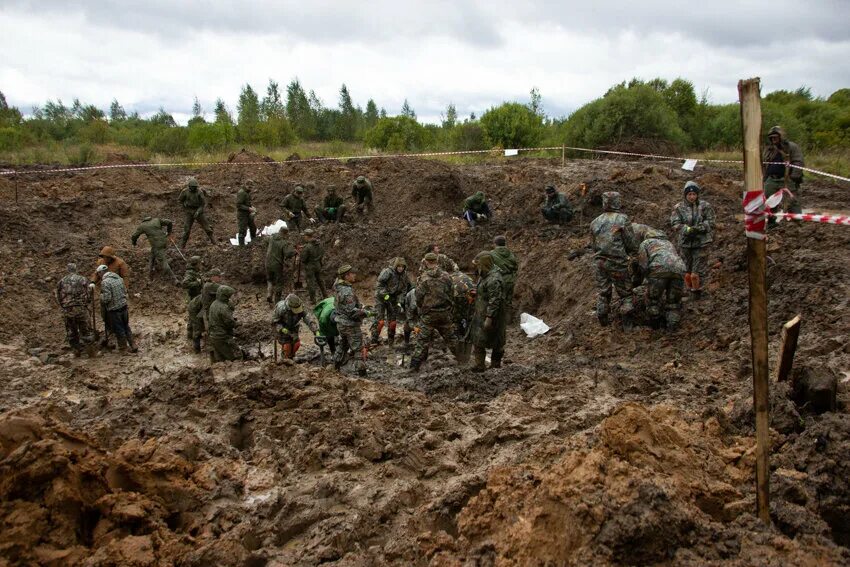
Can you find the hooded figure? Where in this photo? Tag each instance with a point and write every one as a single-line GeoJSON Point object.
{"type": "Point", "coordinates": [222, 345]}
{"type": "Point", "coordinates": [390, 288]}
{"type": "Point", "coordinates": [613, 241]}
{"type": "Point", "coordinates": [778, 157]}
{"type": "Point", "coordinates": [194, 204]}
{"type": "Point", "coordinates": [693, 218]}
{"type": "Point", "coordinates": [507, 263]}
{"type": "Point", "coordinates": [476, 209]}
{"type": "Point", "coordinates": [361, 191]}
{"type": "Point", "coordinates": [488, 318]}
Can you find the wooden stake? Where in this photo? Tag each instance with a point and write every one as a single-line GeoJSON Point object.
{"type": "Point", "coordinates": [750, 97]}
{"type": "Point", "coordinates": [563, 155]}
{"type": "Point", "coordinates": [790, 334]}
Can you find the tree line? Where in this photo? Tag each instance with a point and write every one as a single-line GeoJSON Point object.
{"type": "Point", "coordinates": [635, 114]}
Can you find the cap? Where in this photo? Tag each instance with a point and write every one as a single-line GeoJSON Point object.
{"type": "Point", "coordinates": [214, 272]}
{"type": "Point", "coordinates": [431, 257]}
{"type": "Point", "coordinates": [102, 268]}
{"type": "Point", "coordinates": [72, 268]}
{"type": "Point", "coordinates": [294, 303]}
{"type": "Point", "coordinates": [344, 269]}
{"type": "Point", "coordinates": [299, 189]}
{"type": "Point", "coordinates": [308, 232]}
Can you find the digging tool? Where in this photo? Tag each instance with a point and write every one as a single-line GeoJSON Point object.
{"type": "Point", "coordinates": [297, 268]}
{"type": "Point", "coordinates": [171, 239]}
{"type": "Point", "coordinates": [274, 340]}
{"type": "Point", "coordinates": [94, 330]}
{"type": "Point", "coordinates": [321, 342]}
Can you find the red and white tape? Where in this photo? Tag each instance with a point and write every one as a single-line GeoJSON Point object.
{"type": "Point", "coordinates": [756, 210]}
{"type": "Point", "coordinates": [826, 219]}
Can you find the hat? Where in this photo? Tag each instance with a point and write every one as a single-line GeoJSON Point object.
{"type": "Point", "coordinates": [550, 188]}
{"type": "Point", "coordinates": [344, 269]}
{"type": "Point", "coordinates": [431, 257]}
{"type": "Point", "coordinates": [299, 189]}
{"type": "Point", "coordinates": [102, 268]}
{"type": "Point", "coordinates": [72, 268]}
{"type": "Point", "coordinates": [107, 252]}
{"type": "Point", "coordinates": [361, 179]}
{"type": "Point", "coordinates": [294, 303]}
{"type": "Point", "coordinates": [692, 187]}
{"type": "Point", "coordinates": [195, 260]}
{"type": "Point", "coordinates": [308, 232]}
{"type": "Point", "coordinates": [214, 272]}
{"type": "Point", "coordinates": [500, 240]}
{"type": "Point", "coordinates": [192, 182]}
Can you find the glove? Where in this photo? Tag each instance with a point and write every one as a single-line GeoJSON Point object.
{"type": "Point", "coordinates": [387, 297]}
{"type": "Point", "coordinates": [312, 220]}
{"type": "Point", "coordinates": [91, 286]}
{"type": "Point", "coordinates": [479, 216]}
{"type": "Point", "coordinates": [488, 324]}
{"type": "Point", "coordinates": [688, 230]}
{"type": "Point", "coordinates": [332, 211]}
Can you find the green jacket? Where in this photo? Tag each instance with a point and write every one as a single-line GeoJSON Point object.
{"type": "Point", "coordinates": [243, 203]}
{"type": "Point", "coordinates": [506, 261]}
{"type": "Point", "coordinates": [311, 255]}
{"type": "Point", "coordinates": [323, 311]}
{"type": "Point", "coordinates": [157, 231]}
{"type": "Point", "coordinates": [221, 321]}
{"type": "Point", "coordinates": [192, 283]}
{"type": "Point", "coordinates": [434, 292]}
{"type": "Point", "coordinates": [358, 189]}
{"type": "Point", "coordinates": [295, 205]}
{"type": "Point", "coordinates": [279, 250]}
{"type": "Point", "coordinates": [332, 202]}
{"type": "Point", "coordinates": [489, 302]}
{"type": "Point", "coordinates": [192, 200]}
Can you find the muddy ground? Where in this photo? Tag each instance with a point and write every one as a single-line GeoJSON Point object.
{"type": "Point", "coordinates": [591, 445]}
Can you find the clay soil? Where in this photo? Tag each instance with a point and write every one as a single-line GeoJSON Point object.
{"type": "Point", "coordinates": [590, 446]}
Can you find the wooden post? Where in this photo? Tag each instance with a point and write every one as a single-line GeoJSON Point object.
{"type": "Point", "coordinates": [750, 97]}
{"type": "Point", "coordinates": [790, 334]}
{"type": "Point", "coordinates": [563, 155]}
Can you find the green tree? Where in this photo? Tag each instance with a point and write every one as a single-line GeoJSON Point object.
{"type": "Point", "coordinates": [397, 133]}
{"type": "Point", "coordinates": [224, 121]}
{"type": "Point", "coordinates": [536, 103]}
{"type": "Point", "coordinates": [407, 111]}
{"type": "Point", "coordinates": [248, 115]}
{"type": "Point", "coordinates": [346, 122]}
{"type": "Point", "coordinates": [370, 118]}
{"type": "Point", "coordinates": [298, 111]}
{"type": "Point", "coordinates": [450, 119]}
{"type": "Point", "coordinates": [512, 125]}
{"type": "Point", "coordinates": [272, 105]}
{"type": "Point", "coordinates": [116, 112]}
{"type": "Point", "coordinates": [197, 114]}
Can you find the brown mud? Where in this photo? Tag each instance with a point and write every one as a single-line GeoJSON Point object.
{"type": "Point", "coordinates": [590, 446]}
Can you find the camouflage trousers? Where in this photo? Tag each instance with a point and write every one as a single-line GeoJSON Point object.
{"type": "Point", "coordinates": [611, 274]}
{"type": "Point", "coordinates": [350, 337]}
{"type": "Point", "coordinates": [221, 349]}
{"type": "Point", "coordinates": [314, 283]}
{"type": "Point", "coordinates": [772, 185]}
{"type": "Point", "coordinates": [385, 312]}
{"type": "Point", "coordinates": [276, 279]}
{"type": "Point", "coordinates": [696, 262]}
{"type": "Point", "coordinates": [245, 225]}
{"type": "Point", "coordinates": [561, 217]}
{"type": "Point", "coordinates": [433, 324]}
{"type": "Point", "coordinates": [159, 260]}
{"type": "Point", "coordinates": [188, 220]}
{"type": "Point", "coordinates": [78, 330]}
{"type": "Point", "coordinates": [664, 297]}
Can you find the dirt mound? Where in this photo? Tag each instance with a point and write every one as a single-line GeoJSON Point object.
{"type": "Point", "coordinates": [654, 488]}
{"type": "Point", "coordinates": [247, 156]}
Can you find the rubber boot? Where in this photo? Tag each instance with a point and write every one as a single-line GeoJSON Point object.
{"type": "Point", "coordinates": [361, 365]}
{"type": "Point", "coordinates": [391, 332]}
{"type": "Point", "coordinates": [122, 344]}
{"type": "Point", "coordinates": [241, 240]}
{"type": "Point", "coordinates": [131, 345]}
{"type": "Point", "coordinates": [415, 364]}
{"type": "Point", "coordinates": [496, 359]}
{"type": "Point", "coordinates": [479, 356]}
{"type": "Point", "coordinates": [196, 345]}
{"type": "Point", "coordinates": [696, 290]}
{"type": "Point", "coordinates": [689, 281]}
{"type": "Point", "coordinates": [376, 336]}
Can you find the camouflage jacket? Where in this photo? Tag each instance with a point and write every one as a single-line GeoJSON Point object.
{"type": "Point", "coordinates": [391, 283]}
{"type": "Point", "coordinates": [113, 295]}
{"type": "Point", "coordinates": [657, 258]}
{"type": "Point", "coordinates": [463, 296]}
{"type": "Point", "coordinates": [311, 255]}
{"type": "Point", "coordinates": [699, 216]}
{"type": "Point", "coordinates": [446, 264]}
{"type": "Point", "coordinates": [221, 321]}
{"type": "Point", "coordinates": [787, 152]}
{"type": "Point", "coordinates": [505, 260]}
{"type": "Point", "coordinates": [476, 205]}
{"type": "Point", "coordinates": [194, 307]}
{"type": "Point", "coordinates": [288, 322]}
{"type": "Point", "coordinates": [358, 190]}
{"type": "Point", "coordinates": [489, 302]}
{"type": "Point", "coordinates": [349, 310]}
{"type": "Point", "coordinates": [73, 291]}
{"type": "Point", "coordinates": [332, 202]}
{"type": "Point", "coordinates": [294, 204]}
{"type": "Point", "coordinates": [157, 231]}
{"type": "Point", "coordinates": [612, 236]}
{"type": "Point", "coordinates": [192, 200]}
{"type": "Point", "coordinates": [279, 250]}
{"type": "Point", "coordinates": [243, 203]}
{"type": "Point", "coordinates": [208, 292]}
{"type": "Point", "coordinates": [558, 203]}
{"type": "Point", "coordinates": [434, 292]}
{"type": "Point", "coordinates": [411, 313]}
{"type": "Point", "coordinates": [192, 283]}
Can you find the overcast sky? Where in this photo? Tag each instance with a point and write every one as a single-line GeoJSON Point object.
{"type": "Point", "coordinates": [475, 54]}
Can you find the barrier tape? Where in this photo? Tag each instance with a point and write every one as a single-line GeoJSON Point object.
{"type": "Point", "coordinates": [757, 209]}
{"type": "Point", "coordinates": [410, 155]}
{"type": "Point", "coordinates": [827, 219]}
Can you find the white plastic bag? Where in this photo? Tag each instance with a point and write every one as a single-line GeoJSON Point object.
{"type": "Point", "coordinates": [532, 326]}
{"type": "Point", "coordinates": [273, 228]}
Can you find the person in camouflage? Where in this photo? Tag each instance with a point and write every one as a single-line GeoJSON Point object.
{"type": "Point", "coordinates": [476, 209]}
{"type": "Point", "coordinates": [664, 271]}
{"type": "Point", "coordinates": [74, 295]}
{"type": "Point", "coordinates": [157, 230]}
{"type": "Point", "coordinates": [195, 323]}
{"type": "Point", "coordinates": [192, 280]}
{"type": "Point", "coordinates": [411, 316]}
{"type": "Point", "coordinates": [446, 263]}
{"type": "Point", "coordinates": [778, 157]}
{"type": "Point", "coordinates": [295, 207]}
{"type": "Point", "coordinates": [332, 209]}
{"type": "Point", "coordinates": [208, 292]}
{"type": "Point", "coordinates": [506, 261]}
{"type": "Point", "coordinates": [287, 318]}
{"type": "Point", "coordinates": [115, 265]}
{"type": "Point", "coordinates": [693, 218]}
{"type": "Point", "coordinates": [556, 206]}
{"type": "Point", "coordinates": [324, 312]}
{"type": "Point", "coordinates": [434, 298]}
{"type": "Point", "coordinates": [311, 259]}
{"type": "Point", "coordinates": [194, 206]}
{"type": "Point", "coordinates": [361, 192]}
{"type": "Point", "coordinates": [222, 345]}
{"type": "Point", "coordinates": [113, 297]}
{"type": "Point", "coordinates": [488, 317]}
{"type": "Point", "coordinates": [349, 315]}
{"type": "Point", "coordinates": [390, 288]}
{"type": "Point", "coordinates": [613, 241]}
{"type": "Point", "coordinates": [463, 299]}
{"type": "Point", "coordinates": [278, 253]}
{"type": "Point", "coordinates": [245, 213]}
